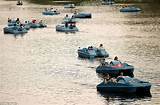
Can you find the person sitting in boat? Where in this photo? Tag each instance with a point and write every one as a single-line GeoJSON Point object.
{"type": "Point", "coordinates": [116, 61]}
{"type": "Point", "coordinates": [103, 63]}
{"type": "Point", "coordinates": [90, 48]}
{"type": "Point", "coordinates": [45, 9]}
{"type": "Point", "coordinates": [121, 74]}
{"type": "Point", "coordinates": [55, 11]}
{"type": "Point", "coordinates": [66, 17]}
{"type": "Point", "coordinates": [114, 80]}
{"type": "Point", "coordinates": [9, 20]}
{"type": "Point", "coordinates": [34, 21]}
{"type": "Point", "coordinates": [101, 46]}
{"type": "Point", "coordinates": [41, 22]}
{"type": "Point", "coordinates": [17, 21]}
{"type": "Point", "coordinates": [26, 22]}
{"type": "Point", "coordinates": [66, 24]}
{"type": "Point", "coordinates": [21, 27]}
{"type": "Point", "coordinates": [116, 58]}
{"type": "Point", "coordinates": [74, 24]}
{"type": "Point", "coordinates": [71, 26]}
{"type": "Point", "coordinates": [106, 78]}
{"type": "Point", "coordinates": [75, 12]}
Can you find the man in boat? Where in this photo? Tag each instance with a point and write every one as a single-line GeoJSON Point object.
{"type": "Point", "coordinates": [115, 61]}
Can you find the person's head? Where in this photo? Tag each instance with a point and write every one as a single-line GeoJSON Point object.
{"type": "Point", "coordinates": [67, 15]}
{"type": "Point", "coordinates": [121, 74]}
{"type": "Point", "coordinates": [101, 45]}
{"type": "Point", "coordinates": [115, 58]}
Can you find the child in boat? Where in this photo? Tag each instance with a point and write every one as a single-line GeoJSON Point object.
{"type": "Point", "coordinates": [106, 78]}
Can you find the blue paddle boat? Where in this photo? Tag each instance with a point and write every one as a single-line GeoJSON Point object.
{"type": "Point", "coordinates": [108, 2]}
{"type": "Point", "coordinates": [124, 84]}
{"type": "Point", "coordinates": [101, 52]}
{"type": "Point", "coordinates": [37, 25]}
{"type": "Point", "coordinates": [69, 6]}
{"type": "Point", "coordinates": [92, 52]}
{"type": "Point", "coordinates": [115, 68]}
{"type": "Point", "coordinates": [14, 30]}
{"type": "Point", "coordinates": [68, 28]}
{"type": "Point", "coordinates": [50, 12]}
{"type": "Point", "coordinates": [82, 15]}
{"type": "Point", "coordinates": [89, 52]}
{"type": "Point", "coordinates": [130, 9]}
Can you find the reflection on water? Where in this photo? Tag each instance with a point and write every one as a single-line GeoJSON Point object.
{"type": "Point", "coordinates": [42, 67]}
{"type": "Point", "coordinates": [125, 99]}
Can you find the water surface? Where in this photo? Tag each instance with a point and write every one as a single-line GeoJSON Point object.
{"type": "Point", "coordinates": [42, 67]}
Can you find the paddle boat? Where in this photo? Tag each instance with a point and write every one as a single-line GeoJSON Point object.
{"type": "Point", "coordinates": [82, 15]}
{"type": "Point", "coordinates": [35, 24]}
{"type": "Point", "coordinates": [130, 9]}
{"type": "Point", "coordinates": [14, 30]}
{"type": "Point", "coordinates": [124, 84]}
{"type": "Point", "coordinates": [69, 6]}
{"type": "Point", "coordinates": [19, 2]}
{"type": "Point", "coordinates": [92, 52]}
{"type": "Point", "coordinates": [108, 2]}
{"type": "Point", "coordinates": [101, 52]}
{"type": "Point", "coordinates": [89, 52]}
{"type": "Point", "coordinates": [114, 68]}
{"type": "Point", "coordinates": [18, 23]}
{"type": "Point", "coordinates": [50, 12]}
{"type": "Point", "coordinates": [67, 27]}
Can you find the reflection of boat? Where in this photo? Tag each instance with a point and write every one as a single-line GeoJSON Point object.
{"type": "Point", "coordinates": [115, 68]}
{"type": "Point", "coordinates": [14, 30]}
{"type": "Point", "coordinates": [127, 96]}
{"type": "Point", "coordinates": [50, 12]}
{"type": "Point", "coordinates": [63, 28]}
{"type": "Point", "coordinates": [130, 9]}
{"type": "Point", "coordinates": [125, 84]}
{"type": "Point", "coordinates": [69, 6]}
{"type": "Point", "coordinates": [92, 52]}
{"type": "Point", "coordinates": [82, 15]}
